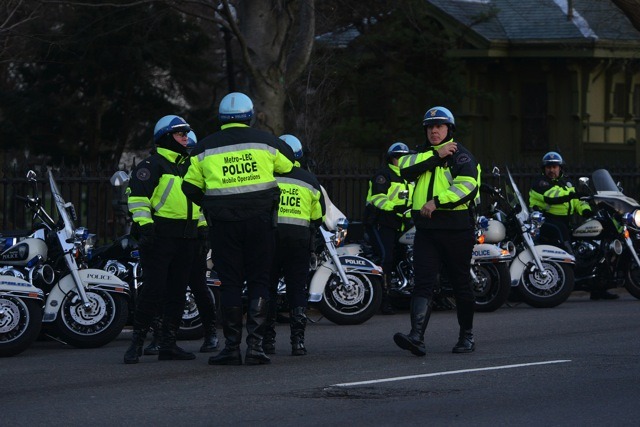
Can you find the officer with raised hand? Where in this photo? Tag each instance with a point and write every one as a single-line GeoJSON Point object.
{"type": "Point", "coordinates": [447, 181]}
{"type": "Point", "coordinates": [232, 177]}
{"type": "Point", "coordinates": [299, 215]}
{"type": "Point", "coordinates": [388, 198]}
{"type": "Point", "coordinates": [166, 223]}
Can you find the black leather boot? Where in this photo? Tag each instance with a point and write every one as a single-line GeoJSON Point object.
{"type": "Point", "coordinates": [386, 307]}
{"type": "Point", "coordinates": [465, 311]}
{"type": "Point", "coordinates": [256, 325]}
{"type": "Point", "coordinates": [134, 351]}
{"type": "Point", "coordinates": [269, 338]}
{"type": "Point", "coordinates": [210, 343]}
{"type": "Point", "coordinates": [420, 314]}
{"type": "Point", "coordinates": [154, 348]}
{"type": "Point", "coordinates": [298, 325]}
{"type": "Point", "coordinates": [232, 328]}
{"type": "Point", "coordinates": [169, 350]}
{"type": "Point", "coordinates": [465, 342]}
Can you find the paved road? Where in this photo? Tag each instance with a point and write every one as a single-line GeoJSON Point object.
{"type": "Point", "coordinates": [576, 364]}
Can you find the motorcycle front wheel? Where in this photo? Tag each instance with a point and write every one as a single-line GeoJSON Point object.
{"type": "Point", "coordinates": [93, 326]}
{"type": "Point", "coordinates": [546, 290]}
{"type": "Point", "coordinates": [353, 303]}
{"type": "Point", "coordinates": [191, 324]}
{"type": "Point", "coordinates": [632, 282]}
{"type": "Point", "coordinates": [20, 321]}
{"type": "Point", "coordinates": [491, 286]}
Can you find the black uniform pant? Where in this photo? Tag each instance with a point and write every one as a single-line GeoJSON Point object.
{"type": "Point", "coordinates": [166, 266]}
{"type": "Point", "coordinates": [384, 240]}
{"type": "Point", "coordinates": [450, 249]}
{"type": "Point", "coordinates": [242, 250]}
{"type": "Point", "coordinates": [291, 261]}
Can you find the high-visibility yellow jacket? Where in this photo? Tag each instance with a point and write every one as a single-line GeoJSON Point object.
{"type": "Point", "coordinates": [452, 182]}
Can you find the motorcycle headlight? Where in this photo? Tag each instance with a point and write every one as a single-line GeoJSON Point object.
{"type": "Point", "coordinates": [81, 233]}
{"type": "Point", "coordinates": [632, 218]}
{"type": "Point", "coordinates": [340, 237]}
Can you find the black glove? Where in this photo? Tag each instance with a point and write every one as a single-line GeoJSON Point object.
{"type": "Point", "coordinates": [400, 210]}
{"type": "Point", "coordinates": [586, 213]}
{"type": "Point", "coordinates": [145, 235]}
{"type": "Point", "coordinates": [580, 193]}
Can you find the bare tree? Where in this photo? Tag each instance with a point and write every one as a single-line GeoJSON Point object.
{"type": "Point", "coordinates": [631, 8]}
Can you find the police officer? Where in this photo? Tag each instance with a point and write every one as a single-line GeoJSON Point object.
{"type": "Point", "coordinates": [166, 223]}
{"type": "Point", "coordinates": [232, 177]}
{"type": "Point", "coordinates": [388, 198]}
{"type": "Point", "coordinates": [448, 178]}
{"type": "Point", "coordinates": [300, 213]}
{"type": "Point", "coordinates": [554, 194]}
{"type": "Point", "coordinates": [197, 283]}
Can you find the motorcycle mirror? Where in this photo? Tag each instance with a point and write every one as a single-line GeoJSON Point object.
{"type": "Point", "coordinates": [495, 171]}
{"type": "Point", "coordinates": [31, 176]}
{"type": "Point", "coordinates": [119, 179]}
{"type": "Point", "coordinates": [619, 185]}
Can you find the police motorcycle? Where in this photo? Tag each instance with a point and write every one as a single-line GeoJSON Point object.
{"type": "Point", "coordinates": [606, 245]}
{"type": "Point", "coordinates": [20, 301]}
{"type": "Point", "coordinates": [122, 259]}
{"type": "Point", "coordinates": [542, 275]}
{"type": "Point", "coordinates": [83, 307]}
{"type": "Point", "coordinates": [346, 287]}
{"type": "Point", "coordinates": [490, 275]}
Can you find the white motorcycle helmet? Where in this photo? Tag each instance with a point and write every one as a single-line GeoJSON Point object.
{"type": "Point", "coordinates": [495, 232]}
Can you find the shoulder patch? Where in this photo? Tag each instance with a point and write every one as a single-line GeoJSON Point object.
{"type": "Point", "coordinates": [463, 158]}
{"type": "Point", "coordinates": [143, 174]}
{"type": "Point", "coordinates": [544, 183]}
{"type": "Point", "coordinates": [380, 179]}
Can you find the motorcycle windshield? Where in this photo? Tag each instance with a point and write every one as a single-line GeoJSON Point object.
{"type": "Point", "coordinates": [515, 199]}
{"type": "Point", "coordinates": [60, 204]}
{"type": "Point", "coordinates": [608, 192]}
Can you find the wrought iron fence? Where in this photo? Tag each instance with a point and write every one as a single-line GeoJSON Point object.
{"type": "Point", "coordinates": [97, 208]}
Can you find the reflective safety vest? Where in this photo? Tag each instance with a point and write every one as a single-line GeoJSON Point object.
{"type": "Point", "coordinates": [556, 197]}
{"type": "Point", "coordinates": [389, 200]}
{"type": "Point", "coordinates": [452, 182]}
{"type": "Point", "coordinates": [233, 169]}
{"type": "Point", "coordinates": [155, 195]}
{"type": "Point", "coordinates": [299, 202]}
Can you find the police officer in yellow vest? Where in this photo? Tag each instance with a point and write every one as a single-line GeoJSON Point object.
{"type": "Point", "coordinates": [300, 213]}
{"type": "Point", "coordinates": [554, 194]}
{"type": "Point", "coordinates": [448, 178]}
{"type": "Point", "coordinates": [388, 199]}
{"type": "Point", "coordinates": [166, 223]}
{"type": "Point", "coordinates": [232, 177]}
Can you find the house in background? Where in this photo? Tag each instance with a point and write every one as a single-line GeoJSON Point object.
{"type": "Point", "coordinates": [546, 75]}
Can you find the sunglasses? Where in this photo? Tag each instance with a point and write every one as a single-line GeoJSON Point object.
{"type": "Point", "coordinates": [181, 134]}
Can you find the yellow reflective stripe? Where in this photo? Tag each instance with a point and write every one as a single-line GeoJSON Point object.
{"type": "Point", "coordinates": [165, 195]}
{"type": "Point", "coordinates": [141, 214]}
{"type": "Point", "coordinates": [239, 190]}
{"type": "Point", "coordinates": [299, 183]}
{"type": "Point", "coordinates": [294, 221]}
{"type": "Point", "coordinates": [235, 148]}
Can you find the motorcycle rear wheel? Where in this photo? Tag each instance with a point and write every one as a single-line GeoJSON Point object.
{"type": "Point", "coordinates": [20, 322]}
{"type": "Point", "coordinates": [354, 303]}
{"type": "Point", "coordinates": [95, 326]}
{"type": "Point", "coordinates": [546, 292]}
{"type": "Point", "coordinates": [492, 287]}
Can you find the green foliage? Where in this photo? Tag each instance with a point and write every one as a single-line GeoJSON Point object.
{"type": "Point", "coordinates": [99, 78]}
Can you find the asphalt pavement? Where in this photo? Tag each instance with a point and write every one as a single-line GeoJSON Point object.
{"type": "Point", "coordinates": [575, 364]}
